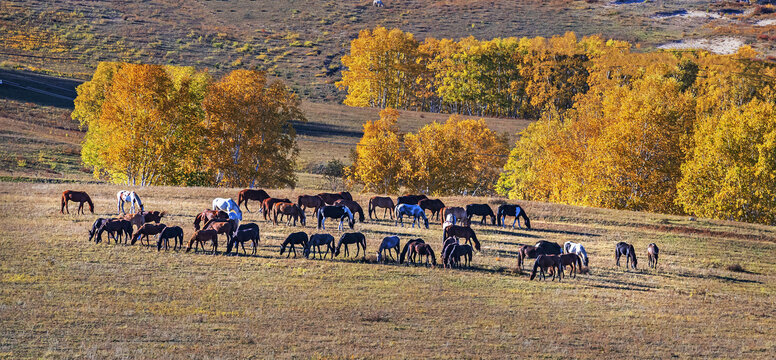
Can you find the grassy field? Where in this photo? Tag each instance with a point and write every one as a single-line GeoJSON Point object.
{"type": "Point", "coordinates": [62, 296]}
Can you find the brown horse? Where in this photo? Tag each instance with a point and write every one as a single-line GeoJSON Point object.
{"type": "Point", "coordinates": [380, 202]}
{"type": "Point", "coordinates": [269, 204]}
{"type": "Point", "coordinates": [251, 194]}
{"type": "Point", "coordinates": [208, 215]}
{"type": "Point", "coordinates": [136, 219]}
{"type": "Point", "coordinates": [407, 248]}
{"type": "Point", "coordinates": [572, 260]}
{"type": "Point", "coordinates": [330, 198]}
{"type": "Point", "coordinates": [422, 249]}
{"type": "Point", "coordinates": [652, 254]}
{"type": "Point", "coordinates": [221, 226]}
{"type": "Point", "coordinates": [526, 252]}
{"type": "Point", "coordinates": [353, 206]}
{"type": "Point", "coordinates": [544, 262]}
{"type": "Point", "coordinates": [145, 231]}
{"type": "Point", "coordinates": [310, 201]}
{"type": "Point", "coordinates": [154, 216]}
{"type": "Point", "coordinates": [435, 205]}
{"type": "Point", "coordinates": [76, 196]}
{"type": "Point", "coordinates": [464, 232]}
{"type": "Point", "coordinates": [458, 212]}
{"type": "Point", "coordinates": [292, 210]}
{"type": "Point", "coordinates": [623, 248]}
{"type": "Point", "coordinates": [201, 236]}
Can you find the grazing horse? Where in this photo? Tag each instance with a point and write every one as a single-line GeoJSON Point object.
{"type": "Point", "coordinates": [229, 206]}
{"type": "Point", "coordinates": [117, 228]}
{"type": "Point", "coordinates": [137, 219]}
{"type": "Point", "coordinates": [174, 232]}
{"type": "Point", "coordinates": [245, 232]}
{"type": "Point", "coordinates": [464, 232]}
{"type": "Point", "coordinates": [269, 204]}
{"type": "Point", "coordinates": [354, 207]}
{"type": "Point", "coordinates": [623, 248]}
{"type": "Point", "coordinates": [389, 243]}
{"type": "Point", "coordinates": [652, 254]}
{"type": "Point", "coordinates": [297, 238]}
{"type": "Point", "coordinates": [434, 205]}
{"type": "Point", "coordinates": [310, 201]}
{"type": "Point", "coordinates": [251, 194]}
{"type": "Point", "coordinates": [154, 216]}
{"type": "Point", "coordinates": [330, 198]}
{"type": "Point", "coordinates": [96, 227]}
{"type": "Point", "coordinates": [512, 210]}
{"type": "Point", "coordinates": [544, 262]}
{"type": "Point", "coordinates": [127, 196]}
{"type": "Point", "coordinates": [548, 247]}
{"type": "Point", "coordinates": [381, 202]}
{"type": "Point", "coordinates": [458, 212]}
{"type": "Point", "coordinates": [407, 247]}
{"type": "Point", "coordinates": [334, 212]}
{"type": "Point", "coordinates": [411, 210]}
{"type": "Point", "coordinates": [574, 248]}
{"type": "Point", "coordinates": [483, 210]}
{"type": "Point", "coordinates": [76, 196]}
{"type": "Point", "coordinates": [571, 260]}
{"type": "Point", "coordinates": [351, 238]}
{"type": "Point", "coordinates": [526, 252]}
{"type": "Point", "coordinates": [145, 231]}
{"type": "Point", "coordinates": [422, 249]}
{"type": "Point", "coordinates": [208, 215]}
{"type": "Point", "coordinates": [315, 243]}
{"type": "Point", "coordinates": [410, 199]}
{"type": "Point", "coordinates": [447, 248]}
{"type": "Point", "coordinates": [228, 227]}
{"type": "Point", "coordinates": [201, 236]}
{"type": "Point", "coordinates": [455, 252]}
{"type": "Point", "coordinates": [292, 210]}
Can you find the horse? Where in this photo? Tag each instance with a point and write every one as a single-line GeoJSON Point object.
{"type": "Point", "coordinates": [410, 199]}
{"type": "Point", "coordinates": [526, 252]}
{"type": "Point", "coordinates": [406, 248]}
{"type": "Point", "coordinates": [201, 236]}
{"type": "Point", "coordinates": [297, 238]}
{"type": "Point", "coordinates": [228, 227]}
{"type": "Point", "coordinates": [435, 205]}
{"type": "Point", "coordinates": [269, 203]}
{"type": "Point", "coordinates": [544, 262]}
{"type": "Point", "coordinates": [137, 219]}
{"type": "Point", "coordinates": [208, 215]}
{"type": "Point", "coordinates": [447, 248]}
{"type": "Point", "coordinates": [316, 241]}
{"type": "Point", "coordinates": [378, 3]}
{"type": "Point", "coordinates": [572, 260]}
{"type": "Point", "coordinates": [455, 252]}
{"type": "Point", "coordinates": [130, 197]}
{"type": "Point", "coordinates": [153, 216]}
{"type": "Point", "coordinates": [229, 206]}
{"type": "Point", "coordinates": [96, 226]}
{"type": "Point", "coordinates": [483, 210]}
{"type": "Point", "coordinates": [245, 232]}
{"type": "Point", "coordinates": [351, 238]}
{"type": "Point", "coordinates": [380, 202]}
{"type": "Point", "coordinates": [353, 206]}
{"type": "Point", "coordinates": [251, 194]}
{"type": "Point", "coordinates": [174, 232]}
{"type": "Point", "coordinates": [389, 243]}
{"type": "Point", "coordinates": [330, 198]}
{"type": "Point", "coordinates": [623, 248]}
{"type": "Point", "coordinates": [512, 210]}
{"type": "Point", "coordinates": [310, 201]}
{"type": "Point", "coordinates": [145, 231]}
{"type": "Point", "coordinates": [412, 210]}
{"type": "Point", "coordinates": [292, 210]}
{"type": "Point", "coordinates": [422, 249]}
{"type": "Point", "coordinates": [76, 196]}
{"type": "Point", "coordinates": [345, 195]}
{"type": "Point", "coordinates": [458, 212]}
{"type": "Point", "coordinates": [465, 232]}
{"type": "Point", "coordinates": [549, 247]}
{"type": "Point", "coordinates": [652, 254]}
{"type": "Point", "coordinates": [334, 212]}
{"type": "Point", "coordinates": [574, 248]}
{"type": "Point", "coordinates": [115, 227]}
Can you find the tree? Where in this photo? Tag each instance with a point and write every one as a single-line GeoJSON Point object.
{"type": "Point", "coordinates": [249, 135]}
{"type": "Point", "coordinates": [377, 160]}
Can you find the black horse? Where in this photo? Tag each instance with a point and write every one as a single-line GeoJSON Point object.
{"type": "Point", "coordinates": [245, 232]}
{"type": "Point", "coordinates": [626, 249]}
{"type": "Point", "coordinates": [351, 238]}
{"type": "Point", "coordinates": [410, 199]}
{"type": "Point", "coordinates": [548, 247]}
{"type": "Point", "coordinates": [454, 254]}
{"type": "Point", "coordinates": [170, 232]}
{"type": "Point", "coordinates": [297, 238]}
{"type": "Point", "coordinates": [483, 210]}
{"type": "Point", "coordinates": [315, 243]}
{"type": "Point", "coordinates": [96, 227]}
{"type": "Point", "coordinates": [512, 210]}
{"type": "Point", "coordinates": [335, 212]}
{"type": "Point", "coordinates": [115, 228]}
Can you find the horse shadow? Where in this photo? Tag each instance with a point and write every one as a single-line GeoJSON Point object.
{"type": "Point", "coordinates": [564, 232]}
{"type": "Point", "coordinates": [510, 233]}
{"type": "Point", "coordinates": [714, 277]}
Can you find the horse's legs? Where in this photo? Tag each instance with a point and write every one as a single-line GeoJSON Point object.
{"type": "Point", "coordinates": [617, 258]}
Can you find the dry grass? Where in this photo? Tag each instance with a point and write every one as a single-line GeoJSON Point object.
{"type": "Point", "coordinates": [64, 297]}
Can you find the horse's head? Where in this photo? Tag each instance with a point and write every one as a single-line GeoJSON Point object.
{"type": "Point", "coordinates": [527, 223]}
{"type": "Point", "coordinates": [425, 221]}
{"type": "Point", "coordinates": [306, 251]}
{"type": "Point", "coordinates": [302, 217]}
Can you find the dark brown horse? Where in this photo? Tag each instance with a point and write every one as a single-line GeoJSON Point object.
{"type": "Point", "coordinates": [351, 238]}
{"type": "Point", "coordinates": [652, 253]}
{"type": "Point", "coordinates": [145, 231]}
{"type": "Point", "coordinates": [154, 216]}
{"type": "Point", "coordinates": [76, 196]}
{"type": "Point", "coordinates": [422, 249]}
{"type": "Point", "coordinates": [201, 236]}
{"type": "Point", "coordinates": [483, 210]}
{"type": "Point", "coordinates": [455, 252]}
{"type": "Point", "coordinates": [346, 195]}
{"type": "Point", "coordinates": [406, 248]}
{"type": "Point", "coordinates": [410, 199]}
{"type": "Point", "coordinates": [458, 212]}
{"type": "Point", "coordinates": [297, 238]}
{"type": "Point", "coordinates": [292, 210]}
{"type": "Point", "coordinates": [330, 198]}
{"type": "Point", "coordinates": [251, 194]}
{"type": "Point", "coordinates": [461, 232]}
{"type": "Point", "coordinates": [221, 226]}
{"type": "Point", "coordinates": [545, 262]}
{"type": "Point", "coordinates": [433, 205]}
{"type": "Point", "coordinates": [623, 248]}
{"type": "Point", "coordinates": [269, 204]}
{"type": "Point", "coordinates": [353, 206]}
{"type": "Point", "coordinates": [116, 228]}
{"type": "Point", "coordinates": [380, 202]}
{"type": "Point", "coordinates": [526, 252]}
{"type": "Point", "coordinates": [170, 232]}
{"type": "Point", "coordinates": [305, 202]}
{"type": "Point", "coordinates": [572, 260]}
{"type": "Point", "coordinates": [208, 215]}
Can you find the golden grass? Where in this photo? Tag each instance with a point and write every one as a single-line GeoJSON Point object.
{"type": "Point", "coordinates": [61, 296]}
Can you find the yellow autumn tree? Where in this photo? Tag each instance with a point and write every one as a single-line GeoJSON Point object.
{"type": "Point", "coordinates": [378, 156]}
{"type": "Point", "coordinates": [249, 136]}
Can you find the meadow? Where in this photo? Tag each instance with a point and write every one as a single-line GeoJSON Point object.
{"type": "Point", "coordinates": [62, 296]}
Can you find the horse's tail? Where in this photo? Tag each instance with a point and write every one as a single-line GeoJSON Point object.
{"type": "Point", "coordinates": [499, 213]}
{"type": "Point", "coordinates": [360, 214]}
{"type": "Point", "coordinates": [442, 214]}
{"type": "Point", "coordinates": [64, 200]}
{"type": "Point", "coordinates": [536, 266]}
{"type": "Point", "coordinates": [197, 219]}
{"type": "Point", "coordinates": [240, 197]}
{"type": "Point", "coordinates": [370, 208]}
{"type": "Point", "coordinates": [476, 242]}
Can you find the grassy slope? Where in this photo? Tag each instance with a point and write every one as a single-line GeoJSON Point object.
{"type": "Point", "coordinates": [63, 296]}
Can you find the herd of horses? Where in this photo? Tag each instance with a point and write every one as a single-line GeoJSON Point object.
{"type": "Point", "coordinates": [459, 240]}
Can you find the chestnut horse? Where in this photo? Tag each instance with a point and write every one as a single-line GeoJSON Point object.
{"type": "Point", "coordinates": [251, 194]}
{"type": "Point", "coordinates": [228, 227]}
{"type": "Point", "coordinates": [381, 202]}
{"type": "Point", "coordinates": [435, 205]}
{"type": "Point", "coordinates": [652, 253]}
{"type": "Point", "coordinates": [208, 215]}
{"type": "Point", "coordinates": [310, 201]}
{"type": "Point", "coordinates": [201, 236]}
{"type": "Point", "coordinates": [269, 204]}
{"type": "Point", "coordinates": [76, 196]}
{"type": "Point", "coordinates": [626, 249]}
{"type": "Point", "coordinates": [292, 210]}
{"type": "Point", "coordinates": [353, 206]}
{"type": "Point", "coordinates": [526, 252]}
{"type": "Point", "coordinates": [458, 212]}
{"type": "Point", "coordinates": [422, 249]}
{"type": "Point", "coordinates": [464, 232]}
{"type": "Point", "coordinates": [483, 210]}
{"type": "Point", "coordinates": [572, 260]}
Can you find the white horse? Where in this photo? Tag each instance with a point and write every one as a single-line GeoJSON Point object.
{"type": "Point", "coordinates": [378, 3]}
{"type": "Point", "coordinates": [229, 206]}
{"type": "Point", "coordinates": [574, 248]}
{"type": "Point", "coordinates": [130, 197]}
{"type": "Point", "coordinates": [389, 242]}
